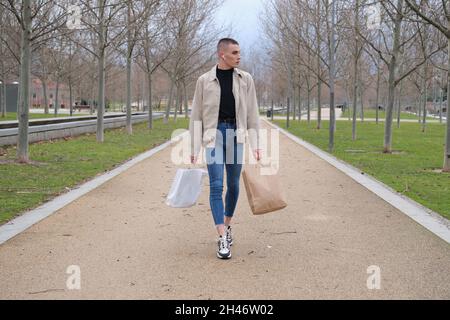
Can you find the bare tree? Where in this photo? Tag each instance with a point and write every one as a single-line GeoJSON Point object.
{"type": "Point", "coordinates": [358, 48]}
{"type": "Point", "coordinates": [71, 70]}
{"type": "Point", "coordinates": [101, 20]}
{"type": "Point", "coordinates": [37, 19]}
{"type": "Point", "coordinates": [193, 34]}
{"type": "Point", "coordinates": [154, 47]}
{"type": "Point", "coordinates": [41, 63]}
{"type": "Point", "coordinates": [390, 54]}
{"type": "Point", "coordinates": [317, 26]}
{"type": "Point", "coordinates": [332, 63]}
{"type": "Point", "coordinates": [58, 62]}
{"type": "Point", "coordinates": [150, 64]}
{"type": "Point", "coordinates": [438, 15]}
{"type": "Point", "coordinates": [136, 17]}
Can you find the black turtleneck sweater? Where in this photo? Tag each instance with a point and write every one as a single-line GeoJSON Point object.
{"type": "Point", "coordinates": [227, 102]}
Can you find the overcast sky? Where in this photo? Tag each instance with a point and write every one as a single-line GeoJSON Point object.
{"type": "Point", "coordinates": [243, 15]}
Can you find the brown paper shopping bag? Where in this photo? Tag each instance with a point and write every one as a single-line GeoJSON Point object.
{"type": "Point", "coordinates": [263, 191]}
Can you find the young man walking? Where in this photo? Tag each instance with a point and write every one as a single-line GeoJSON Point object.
{"type": "Point", "coordinates": [224, 112]}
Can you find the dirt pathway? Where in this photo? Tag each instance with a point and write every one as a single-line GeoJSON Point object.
{"type": "Point", "coordinates": [130, 245]}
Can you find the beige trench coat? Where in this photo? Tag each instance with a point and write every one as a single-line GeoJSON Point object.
{"type": "Point", "coordinates": [205, 110]}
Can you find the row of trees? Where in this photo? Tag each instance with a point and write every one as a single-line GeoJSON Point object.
{"type": "Point", "coordinates": [396, 49]}
{"type": "Point", "coordinates": [86, 44]}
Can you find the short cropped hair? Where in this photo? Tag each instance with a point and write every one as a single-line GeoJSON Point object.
{"type": "Point", "coordinates": [225, 42]}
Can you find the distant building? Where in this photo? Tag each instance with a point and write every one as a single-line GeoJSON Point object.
{"type": "Point", "coordinates": [37, 94]}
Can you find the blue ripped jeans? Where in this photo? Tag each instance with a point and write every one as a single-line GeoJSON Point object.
{"type": "Point", "coordinates": [229, 153]}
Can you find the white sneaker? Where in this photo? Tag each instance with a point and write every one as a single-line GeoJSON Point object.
{"type": "Point", "coordinates": [229, 236]}
{"type": "Point", "coordinates": [224, 249]}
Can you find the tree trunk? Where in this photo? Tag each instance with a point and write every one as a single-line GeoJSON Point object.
{"type": "Point", "coordinates": [399, 104]}
{"type": "Point", "coordinates": [186, 102]}
{"type": "Point", "coordinates": [419, 108]}
{"type": "Point", "coordinates": [150, 107]}
{"type": "Point", "coordinates": [167, 115]}
{"type": "Point", "coordinates": [143, 95]}
{"type": "Point", "coordinates": [319, 107]}
{"type": "Point", "coordinates": [3, 99]}
{"type": "Point", "coordinates": [355, 94]}
{"type": "Point", "coordinates": [290, 82]}
{"type": "Point", "coordinates": [101, 96]}
{"type": "Point", "coordinates": [177, 100]}
{"type": "Point", "coordinates": [377, 100]}
{"type": "Point", "coordinates": [24, 92]}
{"type": "Point", "coordinates": [361, 98]}
{"type": "Point", "coordinates": [44, 92]}
{"type": "Point", "coordinates": [309, 106]}
{"type": "Point", "coordinates": [332, 77]}
{"type": "Point", "coordinates": [434, 98]}
{"type": "Point", "coordinates": [101, 73]}
{"type": "Point", "coordinates": [129, 125]}
{"type": "Point", "coordinates": [70, 97]}
{"type": "Point", "coordinates": [446, 167]}
{"type": "Point", "coordinates": [148, 71]}
{"type": "Point", "coordinates": [360, 92]}
{"type": "Point", "coordinates": [299, 103]}
{"type": "Point", "coordinates": [293, 103]}
{"type": "Point", "coordinates": [355, 70]}
{"type": "Point", "coordinates": [271, 112]}
{"type": "Point", "coordinates": [348, 112]}
{"type": "Point", "coordinates": [129, 62]}
{"type": "Point", "coordinates": [398, 107]}
{"type": "Point", "coordinates": [91, 104]}
{"type": "Point", "coordinates": [293, 98]}
{"type": "Point", "coordinates": [389, 109]}
{"type": "Point", "coordinates": [308, 87]}
{"type": "Point", "coordinates": [287, 112]}
{"type": "Point", "coordinates": [441, 98]}
{"type": "Point", "coordinates": [425, 98]}
{"type": "Point", "coordinates": [57, 96]}
{"type": "Point", "coordinates": [387, 147]}
{"type": "Point", "coordinates": [319, 82]}
{"type": "Point", "coordinates": [180, 99]}
{"type": "Point", "coordinates": [3, 84]}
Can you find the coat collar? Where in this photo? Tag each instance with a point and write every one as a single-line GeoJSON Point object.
{"type": "Point", "coordinates": [212, 73]}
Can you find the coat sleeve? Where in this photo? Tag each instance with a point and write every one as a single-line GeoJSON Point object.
{"type": "Point", "coordinates": [196, 120]}
{"type": "Point", "coordinates": [253, 115]}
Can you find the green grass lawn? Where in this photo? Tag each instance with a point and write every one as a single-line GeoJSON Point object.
{"type": "Point", "coordinates": [66, 163]}
{"type": "Point", "coordinates": [413, 167]}
{"type": "Point", "coordinates": [371, 113]}
{"type": "Point", "coordinates": [10, 116]}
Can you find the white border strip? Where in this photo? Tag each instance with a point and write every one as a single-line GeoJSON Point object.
{"type": "Point", "coordinates": [422, 215]}
{"type": "Point", "coordinates": [20, 224]}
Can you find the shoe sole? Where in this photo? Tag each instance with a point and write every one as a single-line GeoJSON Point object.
{"type": "Point", "coordinates": [223, 257]}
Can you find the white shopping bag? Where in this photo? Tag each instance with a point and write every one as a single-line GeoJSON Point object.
{"type": "Point", "coordinates": [186, 188]}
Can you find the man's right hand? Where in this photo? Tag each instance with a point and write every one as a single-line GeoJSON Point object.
{"type": "Point", "coordinates": [193, 159]}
